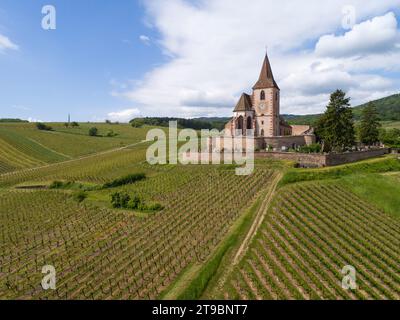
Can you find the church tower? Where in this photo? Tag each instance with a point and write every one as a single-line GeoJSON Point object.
{"type": "Point", "coordinates": [266, 97]}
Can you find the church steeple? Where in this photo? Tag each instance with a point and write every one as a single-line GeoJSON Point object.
{"type": "Point", "coordinates": [266, 78]}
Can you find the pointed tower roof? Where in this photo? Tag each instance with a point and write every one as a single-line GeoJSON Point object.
{"type": "Point", "coordinates": [266, 78]}
{"type": "Point", "coordinates": [244, 103]}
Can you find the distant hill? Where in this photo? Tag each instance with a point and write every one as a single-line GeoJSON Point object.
{"type": "Point", "coordinates": [388, 109]}
{"type": "Point", "coordinates": [195, 123]}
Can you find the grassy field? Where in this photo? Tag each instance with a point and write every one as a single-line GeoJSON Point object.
{"type": "Point", "coordinates": [383, 190]}
{"type": "Point", "coordinates": [218, 235]}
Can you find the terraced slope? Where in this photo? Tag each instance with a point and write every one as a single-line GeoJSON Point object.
{"type": "Point", "coordinates": [311, 232]}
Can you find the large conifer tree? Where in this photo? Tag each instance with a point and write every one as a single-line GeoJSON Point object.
{"type": "Point", "coordinates": [368, 129]}
{"type": "Point", "coordinates": [336, 126]}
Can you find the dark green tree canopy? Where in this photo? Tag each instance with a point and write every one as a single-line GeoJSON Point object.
{"type": "Point", "coordinates": [368, 129]}
{"type": "Point", "coordinates": [336, 126]}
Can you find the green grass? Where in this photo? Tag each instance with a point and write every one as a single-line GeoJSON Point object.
{"type": "Point", "coordinates": [376, 165]}
{"type": "Point", "coordinates": [391, 124]}
{"type": "Point", "coordinates": [382, 190]}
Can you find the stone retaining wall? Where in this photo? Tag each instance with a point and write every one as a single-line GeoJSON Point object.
{"type": "Point", "coordinates": [323, 160]}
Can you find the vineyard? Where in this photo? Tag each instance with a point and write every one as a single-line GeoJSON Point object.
{"type": "Point", "coordinates": [103, 253]}
{"type": "Point", "coordinates": [310, 233]}
{"type": "Point", "coordinates": [292, 242]}
{"type": "Point", "coordinates": [24, 146]}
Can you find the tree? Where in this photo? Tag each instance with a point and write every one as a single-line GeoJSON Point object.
{"type": "Point", "coordinates": [390, 138]}
{"type": "Point", "coordinates": [368, 129]}
{"type": "Point", "coordinates": [75, 124]}
{"type": "Point", "coordinates": [335, 128]}
{"type": "Point", "coordinates": [42, 126]}
{"type": "Point", "coordinates": [93, 131]}
{"type": "Point", "coordinates": [66, 124]}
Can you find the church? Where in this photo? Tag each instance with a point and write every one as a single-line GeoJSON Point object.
{"type": "Point", "coordinates": [260, 111]}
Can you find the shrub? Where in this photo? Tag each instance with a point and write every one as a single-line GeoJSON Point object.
{"type": "Point", "coordinates": [75, 124]}
{"type": "Point", "coordinates": [123, 200]}
{"type": "Point", "coordinates": [312, 148]}
{"type": "Point", "coordinates": [56, 185]}
{"type": "Point", "coordinates": [93, 132]}
{"type": "Point", "coordinates": [135, 202]}
{"type": "Point", "coordinates": [120, 200]}
{"type": "Point", "coordinates": [111, 133]}
{"type": "Point", "coordinates": [129, 179]}
{"type": "Point", "coordinates": [42, 126]}
{"type": "Point", "coordinates": [154, 207]}
{"type": "Point", "coordinates": [79, 195]}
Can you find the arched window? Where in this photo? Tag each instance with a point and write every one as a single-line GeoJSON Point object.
{"type": "Point", "coordinates": [239, 124]}
{"type": "Point", "coordinates": [249, 124]}
{"type": "Point", "coordinates": [262, 132]}
{"type": "Point", "coordinates": [262, 95]}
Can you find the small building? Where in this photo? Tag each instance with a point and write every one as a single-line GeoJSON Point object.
{"type": "Point", "coordinates": [260, 112]}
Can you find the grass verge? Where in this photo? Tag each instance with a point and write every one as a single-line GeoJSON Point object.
{"type": "Point", "coordinates": [376, 165]}
{"type": "Point", "coordinates": [381, 190]}
{"type": "Point", "coordinates": [192, 284]}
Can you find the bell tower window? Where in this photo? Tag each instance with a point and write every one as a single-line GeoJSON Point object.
{"type": "Point", "coordinates": [262, 95]}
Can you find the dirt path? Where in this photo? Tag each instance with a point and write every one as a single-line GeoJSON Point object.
{"type": "Point", "coordinates": [259, 217]}
{"type": "Point", "coordinates": [258, 220]}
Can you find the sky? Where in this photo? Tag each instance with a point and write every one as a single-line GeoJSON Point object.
{"type": "Point", "coordinates": [122, 59]}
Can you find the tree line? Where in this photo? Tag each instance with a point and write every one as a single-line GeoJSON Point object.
{"type": "Point", "coordinates": [336, 130]}
{"type": "Point", "coordinates": [195, 124]}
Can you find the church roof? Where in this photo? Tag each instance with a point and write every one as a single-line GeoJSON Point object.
{"type": "Point", "coordinates": [244, 103]}
{"type": "Point", "coordinates": [266, 78]}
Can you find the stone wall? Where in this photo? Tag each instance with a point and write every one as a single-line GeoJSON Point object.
{"type": "Point", "coordinates": [334, 159]}
{"type": "Point", "coordinates": [323, 160]}
{"type": "Point", "coordinates": [286, 141]}
{"type": "Point", "coordinates": [304, 159]}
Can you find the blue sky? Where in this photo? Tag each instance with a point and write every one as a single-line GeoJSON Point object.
{"type": "Point", "coordinates": [120, 59]}
{"type": "Point", "coordinates": [71, 69]}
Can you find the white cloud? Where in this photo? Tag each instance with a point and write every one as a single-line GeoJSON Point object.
{"type": "Point", "coordinates": [214, 51]}
{"type": "Point", "coordinates": [379, 34]}
{"type": "Point", "coordinates": [6, 43]}
{"type": "Point", "coordinates": [30, 119]}
{"type": "Point", "coordinates": [123, 115]}
{"type": "Point", "coordinates": [144, 39]}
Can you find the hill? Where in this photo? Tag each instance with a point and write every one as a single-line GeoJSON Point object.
{"type": "Point", "coordinates": [22, 145]}
{"type": "Point", "coordinates": [388, 109]}
{"type": "Point", "coordinates": [195, 123]}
